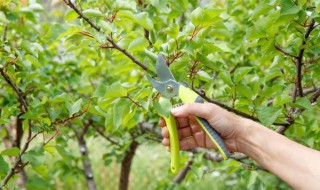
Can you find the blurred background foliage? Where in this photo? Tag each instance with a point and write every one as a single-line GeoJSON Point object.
{"type": "Point", "coordinates": [76, 110]}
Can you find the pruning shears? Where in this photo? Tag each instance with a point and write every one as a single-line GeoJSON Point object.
{"type": "Point", "coordinates": [168, 87]}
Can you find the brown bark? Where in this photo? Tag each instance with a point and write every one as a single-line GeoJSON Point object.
{"type": "Point", "coordinates": [126, 166]}
{"type": "Point", "coordinates": [87, 169]}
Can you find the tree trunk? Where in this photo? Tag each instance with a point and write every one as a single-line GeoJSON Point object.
{"type": "Point", "coordinates": [126, 165]}
{"type": "Point", "coordinates": [85, 160]}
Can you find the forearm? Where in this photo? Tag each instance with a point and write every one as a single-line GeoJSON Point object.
{"type": "Point", "coordinates": [297, 165]}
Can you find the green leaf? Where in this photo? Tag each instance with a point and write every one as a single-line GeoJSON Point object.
{"type": "Point", "coordinates": [151, 55]}
{"type": "Point", "coordinates": [253, 33]}
{"type": "Point", "coordinates": [303, 102]}
{"type": "Point", "coordinates": [36, 7]}
{"type": "Point", "coordinates": [4, 166]}
{"type": "Point", "coordinates": [63, 153]}
{"type": "Point", "coordinates": [34, 61]}
{"type": "Point", "coordinates": [253, 178]}
{"type": "Point", "coordinates": [50, 147]}
{"type": "Point", "coordinates": [138, 44]}
{"type": "Point", "coordinates": [226, 77]}
{"type": "Point", "coordinates": [204, 76]}
{"type": "Point", "coordinates": [289, 8]}
{"type": "Point", "coordinates": [105, 26]}
{"type": "Point", "coordinates": [54, 114]}
{"type": "Point", "coordinates": [74, 108]}
{"type": "Point", "coordinates": [240, 73]}
{"type": "Point", "coordinates": [172, 30]}
{"type": "Point", "coordinates": [11, 152]}
{"type": "Point", "coordinates": [41, 169]}
{"type": "Point", "coordinates": [70, 16]}
{"type": "Point", "coordinates": [32, 48]}
{"type": "Point", "coordinates": [92, 13]}
{"type": "Point", "coordinates": [119, 110]}
{"type": "Point", "coordinates": [3, 17]}
{"type": "Point", "coordinates": [261, 9]}
{"type": "Point", "coordinates": [244, 90]}
{"type": "Point", "coordinates": [115, 90]}
{"type": "Point", "coordinates": [126, 14]}
{"type": "Point", "coordinates": [35, 156]}
{"type": "Point", "coordinates": [60, 98]}
{"type": "Point", "coordinates": [37, 183]}
{"type": "Point", "coordinates": [125, 5]}
{"type": "Point", "coordinates": [205, 17]}
{"type": "Point", "coordinates": [143, 20]}
{"type": "Point", "coordinates": [267, 115]}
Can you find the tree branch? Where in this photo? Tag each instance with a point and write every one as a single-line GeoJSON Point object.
{"type": "Point", "coordinates": [313, 99]}
{"type": "Point", "coordinates": [87, 168]}
{"type": "Point", "coordinates": [298, 91]}
{"type": "Point", "coordinates": [315, 96]}
{"type": "Point", "coordinates": [15, 166]}
{"type": "Point", "coordinates": [126, 165]}
{"type": "Point", "coordinates": [97, 28]}
{"type": "Point", "coordinates": [233, 110]}
{"type": "Point", "coordinates": [285, 53]}
{"type": "Point", "coordinates": [184, 171]}
{"type": "Point", "coordinates": [105, 136]}
{"type": "Point", "coordinates": [17, 90]}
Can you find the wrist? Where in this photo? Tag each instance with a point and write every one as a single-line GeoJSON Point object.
{"type": "Point", "coordinates": [249, 136]}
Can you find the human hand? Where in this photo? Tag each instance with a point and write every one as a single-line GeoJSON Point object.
{"type": "Point", "coordinates": [191, 134]}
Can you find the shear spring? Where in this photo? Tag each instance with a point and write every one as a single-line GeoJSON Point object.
{"type": "Point", "coordinates": [177, 105]}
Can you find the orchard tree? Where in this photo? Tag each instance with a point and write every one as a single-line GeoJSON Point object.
{"type": "Point", "coordinates": [73, 76]}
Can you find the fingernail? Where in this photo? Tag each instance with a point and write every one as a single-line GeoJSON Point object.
{"type": "Point", "coordinates": [175, 110]}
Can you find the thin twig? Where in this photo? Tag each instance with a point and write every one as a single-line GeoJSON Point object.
{"type": "Point", "coordinates": [136, 103]}
{"type": "Point", "coordinates": [285, 53]}
{"type": "Point", "coordinates": [105, 136]}
{"type": "Point", "coordinates": [17, 90]}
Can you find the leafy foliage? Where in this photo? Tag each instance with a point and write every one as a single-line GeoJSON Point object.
{"type": "Point", "coordinates": [62, 72]}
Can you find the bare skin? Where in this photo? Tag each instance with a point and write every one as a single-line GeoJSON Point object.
{"type": "Point", "coordinates": [297, 165]}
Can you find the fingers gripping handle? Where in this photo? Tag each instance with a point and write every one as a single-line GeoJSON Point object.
{"type": "Point", "coordinates": [187, 95]}
{"type": "Point", "coordinates": [213, 134]}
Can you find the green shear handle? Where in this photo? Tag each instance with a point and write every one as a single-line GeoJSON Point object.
{"type": "Point", "coordinates": [173, 137]}
{"type": "Point", "coordinates": [168, 87]}
{"type": "Point", "coordinates": [187, 96]}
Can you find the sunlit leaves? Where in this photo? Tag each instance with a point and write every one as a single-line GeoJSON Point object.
{"type": "Point", "coordinates": [4, 166]}
{"type": "Point", "coordinates": [267, 115]}
{"type": "Point", "coordinates": [138, 44]}
{"type": "Point", "coordinates": [72, 108]}
{"type": "Point", "coordinates": [205, 17]}
{"type": "Point", "coordinates": [289, 8]}
{"type": "Point", "coordinates": [172, 30]}
{"type": "Point", "coordinates": [143, 20]}
{"type": "Point", "coordinates": [11, 152]}
{"type": "Point", "coordinates": [35, 156]}
{"type": "Point", "coordinates": [92, 13]}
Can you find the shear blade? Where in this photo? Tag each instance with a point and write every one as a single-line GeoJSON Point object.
{"type": "Point", "coordinates": [163, 71]}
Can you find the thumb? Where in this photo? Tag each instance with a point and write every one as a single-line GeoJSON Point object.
{"type": "Point", "coordinates": [196, 109]}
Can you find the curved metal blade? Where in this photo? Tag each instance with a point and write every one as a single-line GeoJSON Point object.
{"type": "Point", "coordinates": [162, 87]}
{"type": "Point", "coordinates": [162, 69]}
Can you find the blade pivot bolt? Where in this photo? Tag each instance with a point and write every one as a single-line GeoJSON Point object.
{"type": "Point", "coordinates": [169, 88]}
